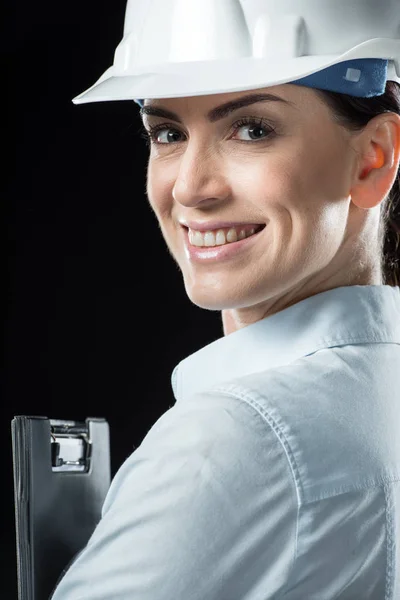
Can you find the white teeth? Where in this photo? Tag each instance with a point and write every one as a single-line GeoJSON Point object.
{"type": "Point", "coordinates": [210, 238]}
{"type": "Point", "coordinates": [232, 235]}
{"type": "Point", "coordinates": [220, 238]}
{"type": "Point", "coordinates": [195, 238]}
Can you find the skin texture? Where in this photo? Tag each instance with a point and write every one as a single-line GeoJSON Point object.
{"type": "Point", "coordinates": [317, 186]}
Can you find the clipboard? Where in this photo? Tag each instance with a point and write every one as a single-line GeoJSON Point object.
{"type": "Point", "coordinates": [62, 473]}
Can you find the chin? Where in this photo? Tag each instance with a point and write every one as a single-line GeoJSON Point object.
{"type": "Point", "coordinates": [209, 298]}
{"type": "Point", "coordinates": [204, 301]}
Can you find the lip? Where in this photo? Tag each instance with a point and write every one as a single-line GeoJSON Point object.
{"type": "Point", "coordinates": [207, 254]}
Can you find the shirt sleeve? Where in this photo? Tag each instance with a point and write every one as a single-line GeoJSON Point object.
{"type": "Point", "coordinates": [205, 508]}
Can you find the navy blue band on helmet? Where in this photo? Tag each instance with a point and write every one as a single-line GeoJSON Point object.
{"type": "Point", "coordinates": [362, 77]}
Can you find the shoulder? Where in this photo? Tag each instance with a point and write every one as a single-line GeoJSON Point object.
{"type": "Point", "coordinates": [223, 431]}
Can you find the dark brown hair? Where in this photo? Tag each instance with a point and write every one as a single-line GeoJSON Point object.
{"type": "Point", "coordinates": [354, 113]}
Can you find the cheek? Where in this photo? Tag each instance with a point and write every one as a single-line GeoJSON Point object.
{"type": "Point", "coordinates": [324, 161]}
{"type": "Point", "coordinates": [306, 174]}
{"type": "Point", "coordinates": [159, 189]}
{"type": "Point", "coordinates": [304, 199]}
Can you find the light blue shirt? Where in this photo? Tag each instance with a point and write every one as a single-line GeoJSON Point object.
{"type": "Point", "coordinates": [276, 474]}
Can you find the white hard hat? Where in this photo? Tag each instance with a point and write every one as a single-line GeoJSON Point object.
{"type": "Point", "coordinates": [176, 48]}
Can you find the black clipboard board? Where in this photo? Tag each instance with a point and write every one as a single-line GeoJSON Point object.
{"type": "Point", "coordinates": [61, 474]}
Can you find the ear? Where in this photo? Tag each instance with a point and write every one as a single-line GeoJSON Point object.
{"type": "Point", "coordinates": [379, 164]}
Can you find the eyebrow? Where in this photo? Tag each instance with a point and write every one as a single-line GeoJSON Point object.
{"type": "Point", "coordinates": [219, 112]}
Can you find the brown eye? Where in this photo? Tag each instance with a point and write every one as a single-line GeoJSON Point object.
{"type": "Point", "coordinates": [257, 126]}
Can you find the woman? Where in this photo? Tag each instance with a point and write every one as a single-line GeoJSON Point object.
{"type": "Point", "coordinates": [276, 473]}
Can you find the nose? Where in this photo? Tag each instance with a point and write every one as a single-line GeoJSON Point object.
{"type": "Point", "coordinates": [201, 180]}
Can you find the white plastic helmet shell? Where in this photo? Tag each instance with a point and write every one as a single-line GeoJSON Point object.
{"type": "Point", "coordinates": [177, 48]}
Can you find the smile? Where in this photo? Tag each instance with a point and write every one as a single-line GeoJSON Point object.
{"type": "Point", "coordinates": [222, 236]}
{"type": "Point", "coordinates": [224, 251]}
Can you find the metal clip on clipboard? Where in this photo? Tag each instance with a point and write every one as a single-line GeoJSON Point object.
{"type": "Point", "coordinates": [70, 446]}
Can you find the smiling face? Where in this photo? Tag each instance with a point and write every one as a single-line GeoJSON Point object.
{"type": "Point", "coordinates": [290, 170]}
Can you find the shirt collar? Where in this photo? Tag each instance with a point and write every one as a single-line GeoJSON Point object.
{"type": "Point", "coordinates": [340, 316]}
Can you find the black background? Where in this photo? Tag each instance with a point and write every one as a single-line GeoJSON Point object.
{"type": "Point", "coordinates": [96, 315]}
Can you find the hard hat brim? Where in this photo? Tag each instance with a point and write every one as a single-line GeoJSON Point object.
{"type": "Point", "coordinates": [185, 79]}
{"type": "Point", "coordinates": [208, 77]}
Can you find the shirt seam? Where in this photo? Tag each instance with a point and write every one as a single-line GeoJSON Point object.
{"type": "Point", "coordinates": [389, 542]}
